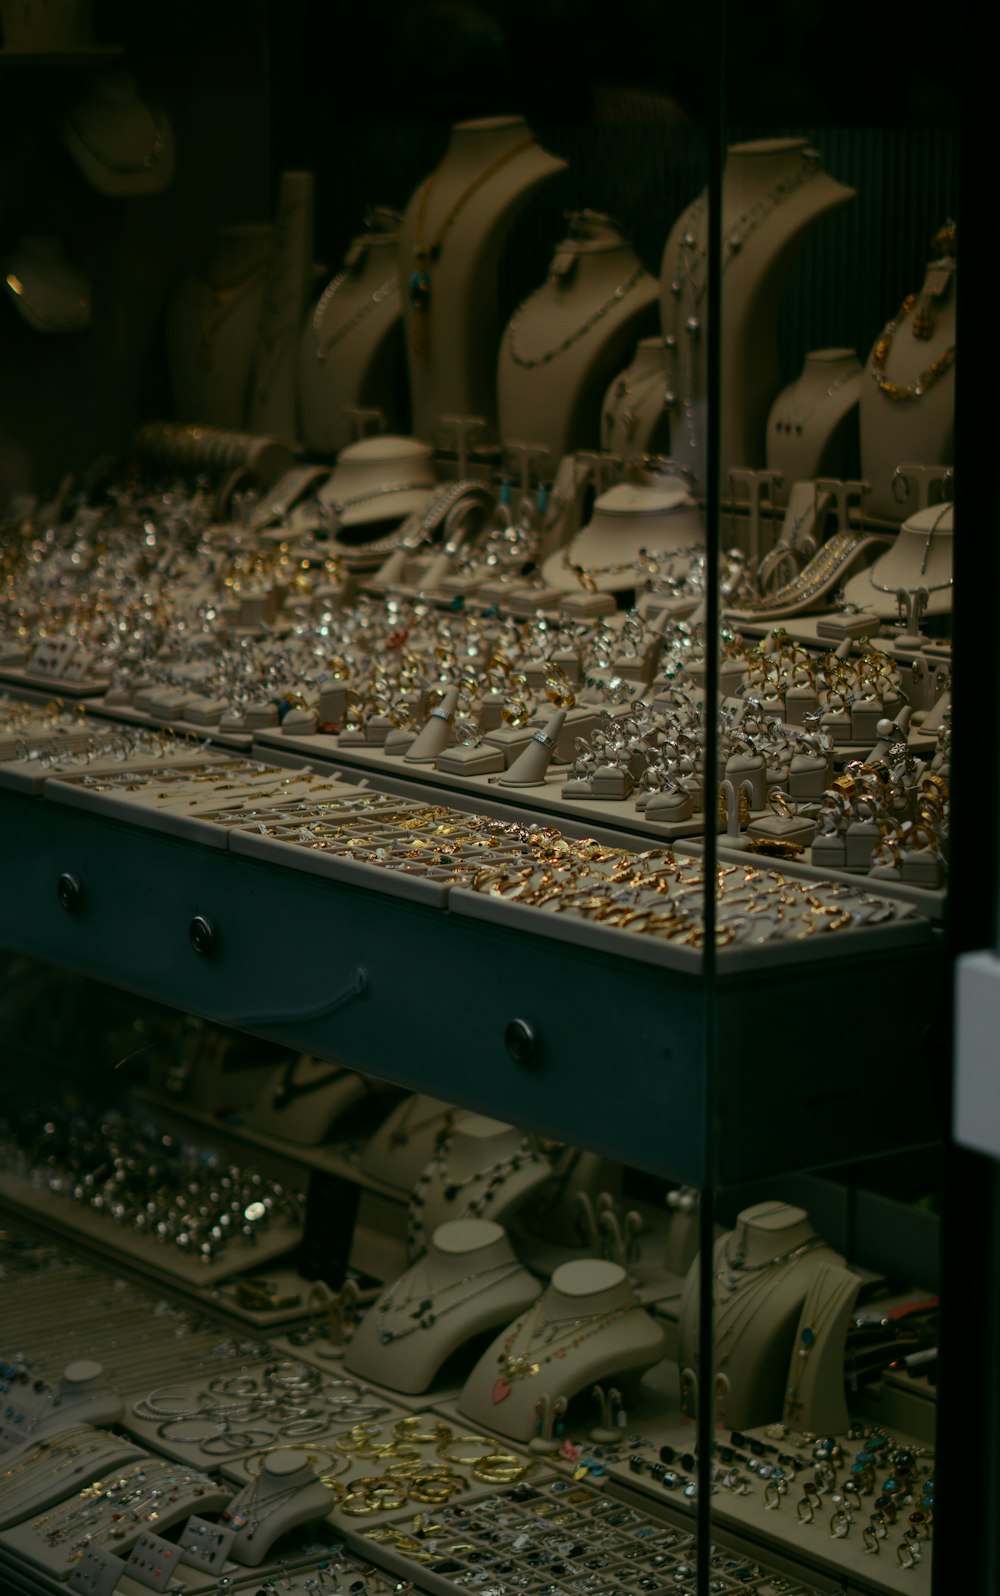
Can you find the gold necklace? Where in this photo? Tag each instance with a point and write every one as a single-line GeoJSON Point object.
{"type": "Point", "coordinates": [927, 378]}
{"type": "Point", "coordinates": [425, 255]}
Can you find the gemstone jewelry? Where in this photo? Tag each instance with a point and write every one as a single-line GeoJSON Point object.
{"type": "Point", "coordinates": [478, 1204]}
{"type": "Point", "coordinates": [427, 251]}
{"type": "Point", "coordinates": [434, 1303]}
{"type": "Point", "coordinates": [909, 391]}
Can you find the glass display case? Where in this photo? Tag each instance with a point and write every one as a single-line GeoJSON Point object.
{"type": "Point", "coordinates": [486, 705]}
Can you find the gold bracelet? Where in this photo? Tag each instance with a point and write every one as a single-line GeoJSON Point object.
{"type": "Point", "coordinates": [443, 1450]}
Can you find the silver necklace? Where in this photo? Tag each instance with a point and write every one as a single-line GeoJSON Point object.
{"type": "Point", "coordinates": [622, 402]}
{"type": "Point", "coordinates": [738, 1270]}
{"type": "Point", "coordinates": [922, 587]}
{"type": "Point", "coordinates": [390, 286]}
{"type": "Point", "coordinates": [529, 362]}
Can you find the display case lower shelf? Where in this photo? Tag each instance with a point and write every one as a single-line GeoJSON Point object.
{"type": "Point", "coordinates": [579, 1042]}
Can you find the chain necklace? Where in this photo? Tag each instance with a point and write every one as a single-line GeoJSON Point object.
{"type": "Point", "coordinates": [738, 1271]}
{"type": "Point", "coordinates": [493, 1176]}
{"type": "Point", "coordinates": [533, 1356]}
{"type": "Point", "coordinates": [375, 299]}
{"type": "Point", "coordinates": [814, 579]}
{"type": "Point", "coordinates": [630, 413]}
{"type": "Point", "coordinates": [689, 274]}
{"type": "Point", "coordinates": [224, 299]}
{"type": "Point", "coordinates": [903, 392]}
{"type": "Point", "coordinates": [333, 510]}
{"type": "Point", "coordinates": [126, 168]}
{"type": "Point", "coordinates": [428, 1311]}
{"type": "Point", "coordinates": [426, 252]}
{"type": "Point", "coordinates": [401, 1133]}
{"type": "Point", "coordinates": [255, 1508]}
{"type": "Point", "coordinates": [925, 587]}
{"type": "Point", "coordinates": [819, 1316]}
{"type": "Point", "coordinates": [529, 362]}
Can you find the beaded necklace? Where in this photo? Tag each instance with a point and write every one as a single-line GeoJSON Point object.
{"type": "Point", "coordinates": [544, 359]}
{"type": "Point", "coordinates": [429, 1307]}
{"type": "Point", "coordinates": [375, 299]}
{"type": "Point", "coordinates": [494, 1177]}
{"type": "Point", "coordinates": [902, 392]}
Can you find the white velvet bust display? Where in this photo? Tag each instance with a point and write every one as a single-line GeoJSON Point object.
{"type": "Point", "coordinates": [468, 1281]}
{"type": "Point", "coordinates": [812, 428]}
{"type": "Point", "coordinates": [564, 344]}
{"type": "Point", "coordinates": [351, 350]}
{"type": "Point", "coordinates": [491, 167]}
{"type": "Point", "coordinates": [285, 1494]}
{"type": "Point", "coordinates": [212, 319]}
{"type": "Point", "coordinates": [763, 1270]}
{"type": "Point", "coordinates": [587, 1326]}
{"type": "Point", "coordinates": [922, 556]}
{"type": "Point", "coordinates": [922, 427]}
{"type": "Point", "coordinates": [774, 196]}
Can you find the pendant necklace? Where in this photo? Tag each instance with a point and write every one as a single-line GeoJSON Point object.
{"type": "Point", "coordinates": [529, 362]}
{"type": "Point", "coordinates": [429, 1308]}
{"type": "Point", "coordinates": [427, 251]}
{"type": "Point", "coordinates": [541, 1348]}
{"type": "Point", "coordinates": [800, 417]}
{"type": "Point", "coordinates": [738, 1271]}
{"type": "Point", "coordinates": [493, 1176]}
{"type": "Point", "coordinates": [921, 587]}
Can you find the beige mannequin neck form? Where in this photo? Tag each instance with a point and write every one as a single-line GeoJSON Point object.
{"type": "Point", "coordinates": [922, 426]}
{"type": "Point", "coordinates": [351, 349]}
{"type": "Point", "coordinates": [922, 556]}
{"type": "Point", "coordinates": [586, 1326]}
{"type": "Point", "coordinates": [774, 195]}
{"type": "Point", "coordinates": [812, 426]}
{"type": "Point", "coordinates": [122, 146]}
{"type": "Point", "coordinates": [457, 222]}
{"type": "Point", "coordinates": [634, 416]}
{"type": "Point", "coordinates": [483, 1169]}
{"type": "Point", "coordinates": [404, 1144]}
{"type": "Point", "coordinates": [284, 1494]}
{"type": "Point", "coordinates": [763, 1270]}
{"type": "Point", "coordinates": [271, 406]}
{"type": "Point", "coordinates": [563, 345]}
{"type": "Point", "coordinates": [467, 1282]}
{"type": "Point", "coordinates": [48, 292]}
{"type": "Point", "coordinates": [212, 323]}
{"type": "Point", "coordinates": [631, 516]}
{"type": "Point", "coordinates": [375, 481]}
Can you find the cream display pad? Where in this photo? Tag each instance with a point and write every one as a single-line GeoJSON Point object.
{"type": "Point", "coordinates": [564, 344]}
{"type": "Point", "coordinates": [908, 398]}
{"type": "Point", "coordinates": [350, 353]}
{"type": "Point", "coordinates": [774, 195]}
{"type": "Point", "coordinates": [468, 1281]}
{"type": "Point", "coordinates": [483, 1169]}
{"type": "Point", "coordinates": [212, 322]}
{"type": "Point", "coordinates": [587, 1326]}
{"type": "Point", "coordinates": [763, 1271]}
{"type": "Point", "coordinates": [450, 245]}
{"type": "Point", "coordinates": [122, 146]}
{"type": "Point", "coordinates": [627, 519]}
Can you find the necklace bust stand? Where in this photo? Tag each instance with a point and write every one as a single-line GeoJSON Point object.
{"type": "Point", "coordinates": [271, 405]}
{"type": "Point", "coordinates": [405, 1143]}
{"type": "Point", "coordinates": [483, 1170]}
{"type": "Point", "coordinates": [376, 483]}
{"type": "Point", "coordinates": [122, 147]}
{"type": "Point", "coordinates": [635, 416]}
{"type": "Point", "coordinates": [212, 324]}
{"type": "Point", "coordinates": [491, 168]}
{"type": "Point", "coordinates": [628, 518]}
{"type": "Point", "coordinates": [82, 1396]}
{"type": "Point", "coordinates": [812, 428]}
{"type": "Point", "coordinates": [586, 1327]}
{"type": "Point", "coordinates": [814, 1397]}
{"type": "Point", "coordinates": [468, 1281]}
{"type": "Point", "coordinates": [351, 351]}
{"type": "Point", "coordinates": [921, 557]}
{"type": "Point", "coordinates": [285, 1494]}
{"type": "Point", "coordinates": [49, 293]}
{"type": "Point", "coordinates": [564, 344]}
{"type": "Point", "coordinates": [763, 1271]}
{"type": "Point", "coordinates": [922, 426]}
{"type": "Point", "coordinates": [774, 196]}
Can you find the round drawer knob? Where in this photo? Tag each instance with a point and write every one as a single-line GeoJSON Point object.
{"type": "Point", "coordinates": [521, 1041]}
{"type": "Point", "coordinates": [69, 892]}
{"type": "Point", "coordinates": [204, 937]}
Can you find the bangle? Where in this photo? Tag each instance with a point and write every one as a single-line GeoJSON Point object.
{"type": "Point", "coordinates": [446, 1449]}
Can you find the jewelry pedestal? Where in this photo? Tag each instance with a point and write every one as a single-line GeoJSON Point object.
{"type": "Point", "coordinates": [211, 326]}
{"type": "Point", "coordinates": [587, 1327]}
{"type": "Point", "coordinates": [921, 557]}
{"type": "Point", "coordinates": [468, 1281]}
{"type": "Point", "coordinates": [122, 147]}
{"type": "Point", "coordinates": [405, 1142]}
{"type": "Point", "coordinates": [764, 1269]}
{"type": "Point", "coordinates": [814, 1398]}
{"type": "Point", "coordinates": [285, 1494]}
{"type": "Point", "coordinates": [812, 430]}
{"type": "Point", "coordinates": [630, 517]}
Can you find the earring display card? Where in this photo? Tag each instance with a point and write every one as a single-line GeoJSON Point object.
{"type": "Point", "coordinates": [97, 1573]}
{"type": "Point", "coordinates": [205, 1545]}
{"type": "Point", "coordinates": [153, 1561]}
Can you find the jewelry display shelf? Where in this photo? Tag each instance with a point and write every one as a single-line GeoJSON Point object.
{"type": "Point", "coordinates": [354, 971]}
{"type": "Point", "coordinates": [238, 741]}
